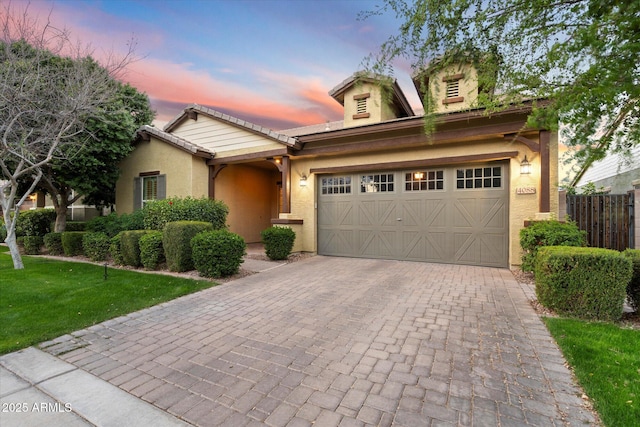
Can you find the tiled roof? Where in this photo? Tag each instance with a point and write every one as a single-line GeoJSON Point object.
{"type": "Point", "coordinates": [252, 127]}
{"type": "Point", "coordinates": [318, 128]}
{"type": "Point", "coordinates": [174, 140]}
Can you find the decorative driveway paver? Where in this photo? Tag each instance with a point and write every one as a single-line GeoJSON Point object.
{"type": "Point", "coordinates": [341, 341]}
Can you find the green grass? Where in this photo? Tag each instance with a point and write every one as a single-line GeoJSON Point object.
{"type": "Point", "coordinates": [49, 298]}
{"type": "Point", "coordinates": [606, 361]}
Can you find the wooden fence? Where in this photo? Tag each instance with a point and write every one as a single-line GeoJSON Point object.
{"type": "Point", "coordinates": [607, 219]}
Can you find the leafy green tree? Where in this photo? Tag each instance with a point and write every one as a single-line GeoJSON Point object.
{"type": "Point", "coordinates": [580, 56]}
{"type": "Point", "coordinates": [50, 90]}
{"type": "Point", "coordinates": [91, 173]}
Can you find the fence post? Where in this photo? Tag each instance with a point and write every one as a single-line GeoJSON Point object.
{"type": "Point", "coordinates": [635, 211]}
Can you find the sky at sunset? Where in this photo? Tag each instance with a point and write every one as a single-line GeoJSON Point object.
{"type": "Point", "coordinates": [270, 62]}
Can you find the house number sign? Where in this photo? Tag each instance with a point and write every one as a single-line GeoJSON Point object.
{"type": "Point", "coordinates": [526, 190]}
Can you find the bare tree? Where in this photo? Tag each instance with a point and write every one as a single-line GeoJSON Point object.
{"type": "Point", "coordinates": [49, 88]}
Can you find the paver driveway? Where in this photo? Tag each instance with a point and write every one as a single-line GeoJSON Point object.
{"type": "Point", "coordinates": [340, 341]}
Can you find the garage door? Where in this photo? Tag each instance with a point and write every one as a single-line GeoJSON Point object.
{"type": "Point", "coordinates": [453, 215]}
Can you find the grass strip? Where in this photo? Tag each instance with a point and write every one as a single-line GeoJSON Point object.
{"type": "Point", "coordinates": [606, 362]}
{"type": "Point", "coordinates": [50, 298]}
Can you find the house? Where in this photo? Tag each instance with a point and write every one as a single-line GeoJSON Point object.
{"type": "Point", "coordinates": [373, 185]}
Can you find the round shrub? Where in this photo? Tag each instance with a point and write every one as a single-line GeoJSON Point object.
{"type": "Point", "coordinates": [217, 253]}
{"type": "Point", "coordinates": [72, 243]}
{"type": "Point", "coordinates": [158, 213]}
{"type": "Point", "coordinates": [130, 247]}
{"type": "Point", "coordinates": [176, 240]}
{"type": "Point", "coordinates": [3, 232]}
{"type": "Point", "coordinates": [53, 243]}
{"type": "Point", "coordinates": [548, 233]}
{"type": "Point", "coordinates": [96, 246]}
{"type": "Point", "coordinates": [151, 250]}
{"type": "Point", "coordinates": [278, 242]}
{"type": "Point", "coordinates": [32, 244]}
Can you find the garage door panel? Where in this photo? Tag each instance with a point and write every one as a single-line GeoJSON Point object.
{"type": "Point", "coordinates": [449, 221]}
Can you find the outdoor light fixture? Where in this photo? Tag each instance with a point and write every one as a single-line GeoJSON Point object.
{"type": "Point", "coordinates": [418, 175]}
{"type": "Point", "coordinates": [525, 166]}
{"type": "Point", "coordinates": [303, 180]}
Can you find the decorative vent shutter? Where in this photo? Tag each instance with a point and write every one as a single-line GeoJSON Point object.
{"type": "Point", "coordinates": [361, 106]}
{"type": "Point", "coordinates": [453, 89]}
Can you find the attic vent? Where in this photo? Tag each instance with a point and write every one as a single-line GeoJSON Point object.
{"type": "Point", "coordinates": [453, 89]}
{"type": "Point", "coordinates": [361, 106]}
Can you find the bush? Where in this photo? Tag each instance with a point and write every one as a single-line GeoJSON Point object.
{"type": "Point", "coordinates": [278, 242]}
{"type": "Point", "coordinates": [633, 288]}
{"type": "Point", "coordinates": [35, 223]}
{"type": "Point", "coordinates": [53, 243]}
{"type": "Point", "coordinates": [75, 226]}
{"type": "Point", "coordinates": [151, 250]}
{"type": "Point", "coordinates": [115, 248]}
{"type": "Point", "coordinates": [176, 240]}
{"type": "Point", "coordinates": [158, 213]}
{"type": "Point", "coordinates": [589, 283]}
{"type": "Point", "coordinates": [113, 223]}
{"type": "Point", "coordinates": [96, 246]}
{"type": "Point", "coordinates": [217, 253]}
{"type": "Point", "coordinates": [548, 233]}
{"type": "Point", "coordinates": [32, 244]}
{"type": "Point", "coordinates": [3, 232]}
{"type": "Point", "coordinates": [130, 247]}
{"type": "Point", "coordinates": [72, 243]}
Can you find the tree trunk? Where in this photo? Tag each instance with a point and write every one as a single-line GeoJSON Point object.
{"type": "Point", "coordinates": [11, 240]}
{"type": "Point", "coordinates": [61, 218]}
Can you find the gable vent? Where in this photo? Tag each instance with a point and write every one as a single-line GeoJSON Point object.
{"type": "Point", "coordinates": [453, 88]}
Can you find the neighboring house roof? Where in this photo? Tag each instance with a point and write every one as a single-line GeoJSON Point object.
{"type": "Point", "coordinates": [146, 131]}
{"type": "Point", "coordinates": [399, 100]}
{"type": "Point", "coordinates": [192, 110]}
{"type": "Point", "coordinates": [318, 128]}
{"type": "Point", "coordinates": [611, 165]}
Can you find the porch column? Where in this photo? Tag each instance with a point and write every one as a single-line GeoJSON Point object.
{"type": "Point", "coordinates": [214, 170]}
{"type": "Point", "coordinates": [285, 170]}
{"type": "Point", "coordinates": [545, 172]}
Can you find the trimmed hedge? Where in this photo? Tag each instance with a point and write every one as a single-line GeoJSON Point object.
{"type": "Point", "coordinates": [96, 246]}
{"type": "Point", "coordinates": [113, 223]}
{"type": "Point", "coordinates": [217, 253]}
{"type": "Point", "coordinates": [35, 223]}
{"type": "Point", "coordinates": [72, 243]}
{"type": "Point", "coordinates": [32, 244]}
{"type": "Point", "coordinates": [633, 288]}
{"type": "Point", "coordinates": [75, 226]}
{"type": "Point", "coordinates": [130, 246]}
{"type": "Point", "coordinates": [151, 250]}
{"type": "Point", "coordinates": [158, 213]}
{"type": "Point", "coordinates": [548, 233]}
{"type": "Point", "coordinates": [53, 243]}
{"type": "Point", "coordinates": [588, 283]}
{"type": "Point", "coordinates": [278, 241]}
{"type": "Point", "coordinates": [176, 240]}
{"type": "Point", "coordinates": [115, 249]}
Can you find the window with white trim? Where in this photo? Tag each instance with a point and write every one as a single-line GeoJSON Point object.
{"type": "Point", "coordinates": [377, 183]}
{"type": "Point", "coordinates": [424, 180]}
{"type": "Point", "coordinates": [487, 177]}
{"type": "Point", "coordinates": [335, 185]}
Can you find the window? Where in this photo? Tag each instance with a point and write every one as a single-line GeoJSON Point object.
{"type": "Point", "coordinates": [149, 188]}
{"type": "Point", "coordinates": [376, 183]}
{"type": "Point", "coordinates": [336, 185]}
{"type": "Point", "coordinates": [424, 180]}
{"type": "Point", "coordinates": [489, 177]}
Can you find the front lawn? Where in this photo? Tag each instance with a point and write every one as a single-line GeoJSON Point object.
{"type": "Point", "coordinates": [49, 298]}
{"type": "Point", "coordinates": [606, 361]}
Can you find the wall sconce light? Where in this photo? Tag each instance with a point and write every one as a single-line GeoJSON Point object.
{"type": "Point", "coordinates": [525, 166]}
{"type": "Point", "coordinates": [418, 175]}
{"type": "Point", "coordinates": [303, 180]}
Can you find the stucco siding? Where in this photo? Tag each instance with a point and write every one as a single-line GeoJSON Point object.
{"type": "Point", "coordinates": [468, 88]}
{"type": "Point", "coordinates": [186, 174]}
{"type": "Point", "coordinates": [222, 138]}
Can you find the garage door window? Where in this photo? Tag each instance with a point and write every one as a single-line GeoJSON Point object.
{"type": "Point", "coordinates": [424, 180]}
{"type": "Point", "coordinates": [377, 183]}
{"type": "Point", "coordinates": [479, 178]}
{"type": "Point", "coordinates": [336, 185]}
